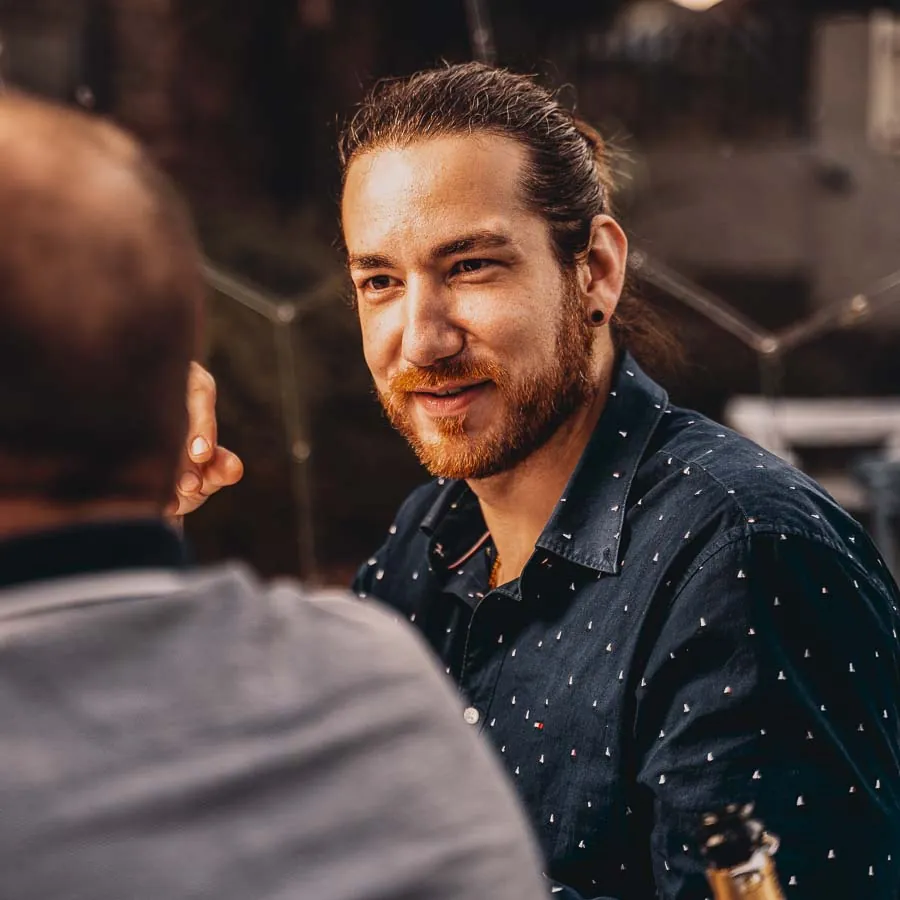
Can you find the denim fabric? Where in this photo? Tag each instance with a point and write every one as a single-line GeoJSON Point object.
{"type": "Point", "coordinates": [699, 624]}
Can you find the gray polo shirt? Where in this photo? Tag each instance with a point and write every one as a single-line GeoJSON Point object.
{"type": "Point", "coordinates": [170, 733]}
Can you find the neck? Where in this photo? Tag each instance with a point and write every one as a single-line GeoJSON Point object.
{"type": "Point", "coordinates": [517, 505]}
{"type": "Point", "coordinates": [21, 517]}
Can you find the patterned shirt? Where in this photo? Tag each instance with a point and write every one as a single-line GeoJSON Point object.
{"type": "Point", "coordinates": [699, 624]}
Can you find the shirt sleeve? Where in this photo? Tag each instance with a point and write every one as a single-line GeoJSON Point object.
{"type": "Point", "coordinates": [771, 676]}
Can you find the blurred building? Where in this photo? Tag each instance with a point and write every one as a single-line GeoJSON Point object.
{"type": "Point", "coordinates": [755, 144]}
{"type": "Point", "coordinates": [759, 159]}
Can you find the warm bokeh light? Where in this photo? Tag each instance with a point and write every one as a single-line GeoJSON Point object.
{"type": "Point", "coordinates": [698, 5]}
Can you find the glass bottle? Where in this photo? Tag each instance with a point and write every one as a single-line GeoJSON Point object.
{"type": "Point", "coordinates": [738, 851]}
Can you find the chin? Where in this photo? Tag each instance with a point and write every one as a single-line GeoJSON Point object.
{"type": "Point", "coordinates": [462, 459]}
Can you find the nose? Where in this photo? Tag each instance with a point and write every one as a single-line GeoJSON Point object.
{"type": "Point", "coordinates": [430, 332]}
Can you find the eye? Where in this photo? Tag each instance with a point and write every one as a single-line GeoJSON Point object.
{"type": "Point", "coordinates": [470, 266]}
{"type": "Point", "coordinates": [378, 283]}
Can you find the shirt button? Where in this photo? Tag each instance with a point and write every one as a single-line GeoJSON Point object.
{"type": "Point", "coordinates": [471, 715]}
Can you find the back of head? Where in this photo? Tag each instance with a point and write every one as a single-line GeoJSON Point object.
{"type": "Point", "coordinates": [569, 179]}
{"type": "Point", "coordinates": [99, 297]}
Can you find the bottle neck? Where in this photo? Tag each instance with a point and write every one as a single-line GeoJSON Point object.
{"type": "Point", "coordinates": [753, 880]}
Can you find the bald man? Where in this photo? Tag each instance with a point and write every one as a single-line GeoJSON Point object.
{"type": "Point", "coordinates": [169, 732]}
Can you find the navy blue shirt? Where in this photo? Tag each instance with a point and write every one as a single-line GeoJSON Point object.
{"type": "Point", "coordinates": [699, 624]}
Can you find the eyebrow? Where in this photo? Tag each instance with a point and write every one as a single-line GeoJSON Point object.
{"type": "Point", "coordinates": [370, 261]}
{"type": "Point", "coordinates": [477, 240]}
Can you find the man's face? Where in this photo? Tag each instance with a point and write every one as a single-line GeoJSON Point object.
{"type": "Point", "coordinates": [478, 344]}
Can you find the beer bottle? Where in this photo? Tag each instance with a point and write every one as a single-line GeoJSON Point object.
{"type": "Point", "coordinates": [739, 851]}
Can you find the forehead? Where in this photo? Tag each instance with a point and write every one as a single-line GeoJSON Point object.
{"type": "Point", "coordinates": [402, 198]}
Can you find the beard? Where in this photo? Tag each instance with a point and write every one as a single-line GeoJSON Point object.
{"type": "Point", "coordinates": [534, 407]}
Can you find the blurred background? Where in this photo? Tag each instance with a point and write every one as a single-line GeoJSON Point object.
{"type": "Point", "coordinates": [758, 153]}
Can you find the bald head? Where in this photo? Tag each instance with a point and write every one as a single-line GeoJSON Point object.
{"type": "Point", "coordinates": [99, 293]}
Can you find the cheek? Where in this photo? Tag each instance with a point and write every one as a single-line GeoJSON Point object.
{"type": "Point", "coordinates": [523, 337]}
{"type": "Point", "coordinates": [381, 346]}
{"type": "Point", "coordinates": [520, 317]}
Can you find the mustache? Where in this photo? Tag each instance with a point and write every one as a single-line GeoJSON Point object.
{"type": "Point", "coordinates": [437, 375]}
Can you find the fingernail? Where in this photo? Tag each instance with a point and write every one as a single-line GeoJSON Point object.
{"type": "Point", "coordinates": [199, 446]}
{"type": "Point", "coordinates": [189, 483]}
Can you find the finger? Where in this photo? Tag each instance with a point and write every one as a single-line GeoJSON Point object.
{"type": "Point", "coordinates": [201, 406]}
{"type": "Point", "coordinates": [188, 492]}
{"type": "Point", "coordinates": [198, 483]}
{"type": "Point", "coordinates": [181, 506]}
{"type": "Point", "coordinates": [184, 506]}
{"type": "Point", "coordinates": [225, 469]}
{"type": "Point", "coordinates": [189, 483]}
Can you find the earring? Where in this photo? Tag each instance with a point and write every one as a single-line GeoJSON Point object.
{"type": "Point", "coordinates": [598, 317]}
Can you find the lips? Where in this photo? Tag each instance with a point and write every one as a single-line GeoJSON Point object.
{"type": "Point", "coordinates": [450, 400]}
{"type": "Point", "coordinates": [452, 390]}
{"type": "Point", "coordinates": [451, 393]}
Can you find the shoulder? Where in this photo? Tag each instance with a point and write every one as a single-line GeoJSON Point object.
{"type": "Point", "coordinates": [743, 485]}
{"type": "Point", "coordinates": [329, 700]}
{"type": "Point", "coordinates": [414, 512]}
{"type": "Point", "coordinates": [353, 638]}
{"type": "Point", "coordinates": [403, 555]}
{"type": "Point", "coordinates": [283, 647]}
{"type": "Point", "coordinates": [285, 627]}
{"type": "Point", "coordinates": [385, 716]}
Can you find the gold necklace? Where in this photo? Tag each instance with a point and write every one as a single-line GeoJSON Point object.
{"type": "Point", "coordinates": [495, 573]}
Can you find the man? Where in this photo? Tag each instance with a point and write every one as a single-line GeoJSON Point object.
{"type": "Point", "coordinates": [649, 616]}
{"type": "Point", "coordinates": [171, 732]}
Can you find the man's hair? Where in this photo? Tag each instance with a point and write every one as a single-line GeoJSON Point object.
{"type": "Point", "coordinates": [567, 180]}
{"type": "Point", "coordinates": [100, 291]}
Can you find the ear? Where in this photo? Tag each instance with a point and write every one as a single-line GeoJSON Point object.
{"type": "Point", "coordinates": [601, 272]}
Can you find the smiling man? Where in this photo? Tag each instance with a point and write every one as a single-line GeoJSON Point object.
{"type": "Point", "coordinates": [649, 616]}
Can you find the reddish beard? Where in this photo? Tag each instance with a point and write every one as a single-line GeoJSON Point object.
{"type": "Point", "coordinates": [534, 407]}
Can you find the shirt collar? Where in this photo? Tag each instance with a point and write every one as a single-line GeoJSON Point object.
{"type": "Point", "coordinates": [454, 524]}
{"type": "Point", "coordinates": [586, 524]}
{"type": "Point", "coordinates": [90, 548]}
